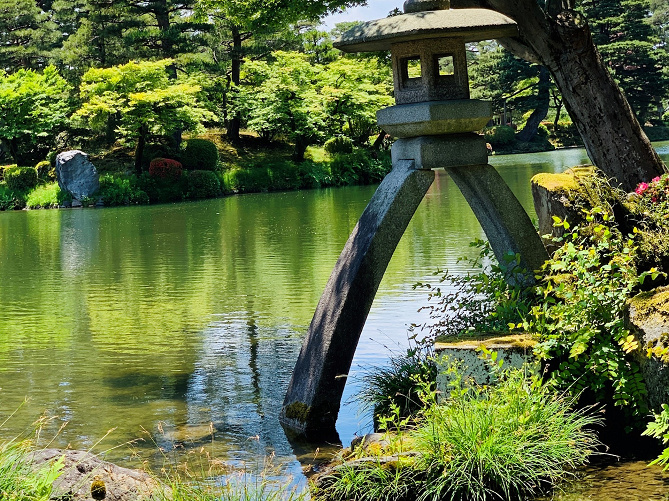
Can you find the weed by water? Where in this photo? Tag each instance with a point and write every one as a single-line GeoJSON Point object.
{"type": "Point", "coordinates": [513, 440]}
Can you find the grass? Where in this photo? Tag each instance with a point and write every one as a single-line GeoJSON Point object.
{"type": "Point", "coordinates": [510, 441]}
{"type": "Point", "coordinates": [398, 384]}
{"type": "Point", "coordinates": [45, 196]}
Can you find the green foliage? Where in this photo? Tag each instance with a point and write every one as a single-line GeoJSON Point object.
{"type": "Point", "coordinates": [360, 167]}
{"type": "Point", "coordinates": [251, 180]}
{"type": "Point", "coordinates": [631, 50]}
{"type": "Point", "coordinates": [163, 191]}
{"type": "Point", "coordinates": [3, 168]}
{"type": "Point", "coordinates": [581, 317]}
{"type": "Point", "coordinates": [115, 190]}
{"type": "Point", "coordinates": [200, 154]}
{"type": "Point", "coordinates": [21, 178]}
{"type": "Point", "coordinates": [46, 196]}
{"type": "Point", "coordinates": [19, 481]}
{"type": "Point", "coordinates": [499, 136]}
{"type": "Point", "coordinates": [513, 440]}
{"type": "Point", "coordinates": [141, 99]}
{"type": "Point", "coordinates": [479, 302]}
{"type": "Point", "coordinates": [339, 144]}
{"type": "Point", "coordinates": [45, 172]}
{"type": "Point", "coordinates": [203, 184]}
{"type": "Point", "coordinates": [10, 200]}
{"type": "Point", "coordinates": [659, 428]}
{"type": "Point", "coordinates": [305, 102]}
{"type": "Point", "coordinates": [398, 385]}
{"type": "Point", "coordinates": [34, 108]}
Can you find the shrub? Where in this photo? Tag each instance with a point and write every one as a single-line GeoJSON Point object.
{"type": "Point", "coordinates": [10, 200]}
{"type": "Point", "coordinates": [165, 149]}
{"type": "Point", "coordinates": [21, 178]}
{"type": "Point", "coordinates": [161, 191]}
{"type": "Point", "coordinates": [203, 184]}
{"type": "Point", "coordinates": [121, 191]}
{"type": "Point", "coordinates": [339, 144]}
{"type": "Point", "coordinates": [45, 172]}
{"type": "Point", "coordinates": [500, 135]}
{"type": "Point", "coordinates": [3, 168]}
{"type": "Point", "coordinates": [165, 169]}
{"type": "Point", "coordinates": [313, 175]}
{"type": "Point", "coordinates": [200, 154]}
{"type": "Point", "coordinates": [360, 167]}
{"type": "Point", "coordinates": [250, 180]}
{"type": "Point", "coordinates": [398, 385]}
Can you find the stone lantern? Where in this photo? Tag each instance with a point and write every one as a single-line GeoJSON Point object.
{"type": "Point", "coordinates": [435, 123]}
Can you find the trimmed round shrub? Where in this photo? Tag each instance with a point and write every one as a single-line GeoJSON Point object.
{"type": "Point", "coordinates": [200, 154]}
{"type": "Point", "coordinates": [21, 178]}
{"type": "Point", "coordinates": [3, 168]}
{"type": "Point", "coordinates": [500, 135]}
{"type": "Point", "coordinates": [45, 172]}
{"type": "Point", "coordinates": [165, 169]}
{"type": "Point", "coordinates": [165, 149]}
{"type": "Point", "coordinates": [203, 184]}
{"type": "Point", "coordinates": [339, 144]}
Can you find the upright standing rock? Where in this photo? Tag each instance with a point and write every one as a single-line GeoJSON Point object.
{"type": "Point", "coordinates": [76, 174]}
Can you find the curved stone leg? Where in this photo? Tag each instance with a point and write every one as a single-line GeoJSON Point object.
{"type": "Point", "coordinates": [505, 222]}
{"type": "Point", "coordinates": [314, 394]}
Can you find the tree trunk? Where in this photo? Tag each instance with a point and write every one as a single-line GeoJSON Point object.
{"type": "Point", "coordinates": [540, 112]}
{"type": "Point", "coordinates": [561, 41]}
{"type": "Point", "coordinates": [558, 111]}
{"type": "Point", "coordinates": [301, 144]}
{"type": "Point", "coordinates": [236, 56]}
{"type": "Point", "coordinates": [139, 150]}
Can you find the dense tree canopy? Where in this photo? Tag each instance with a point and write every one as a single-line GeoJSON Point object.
{"type": "Point", "coordinates": [34, 107]}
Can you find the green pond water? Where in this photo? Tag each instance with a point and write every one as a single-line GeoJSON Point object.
{"type": "Point", "coordinates": [164, 323]}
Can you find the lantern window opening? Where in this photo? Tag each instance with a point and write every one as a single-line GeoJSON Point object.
{"type": "Point", "coordinates": [444, 65]}
{"type": "Point", "coordinates": [411, 71]}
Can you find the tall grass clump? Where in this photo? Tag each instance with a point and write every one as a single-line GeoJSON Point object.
{"type": "Point", "coordinates": [398, 384]}
{"type": "Point", "coordinates": [514, 440]}
{"type": "Point", "coordinates": [19, 480]}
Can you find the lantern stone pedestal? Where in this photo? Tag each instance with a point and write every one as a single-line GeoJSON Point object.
{"type": "Point", "coordinates": [434, 121]}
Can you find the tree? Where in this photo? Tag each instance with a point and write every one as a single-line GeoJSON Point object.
{"type": "Point", "coordinates": [34, 107]}
{"type": "Point", "coordinates": [352, 90]}
{"type": "Point", "coordinates": [26, 35]}
{"type": "Point", "coordinates": [281, 99]}
{"type": "Point", "coordinates": [307, 103]}
{"type": "Point", "coordinates": [246, 19]}
{"type": "Point", "coordinates": [554, 34]}
{"type": "Point", "coordinates": [144, 99]}
{"type": "Point", "coordinates": [630, 49]}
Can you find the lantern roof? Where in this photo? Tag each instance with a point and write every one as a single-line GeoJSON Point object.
{"type": "Point", "coordinates": [470, 25]}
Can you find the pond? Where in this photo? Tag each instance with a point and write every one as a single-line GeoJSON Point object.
{"type": "Point", "coordinates": [165, 323]}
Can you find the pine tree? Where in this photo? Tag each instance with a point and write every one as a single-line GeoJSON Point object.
{"type": "Point", "coordinates": [27, 36]}
{"type": "Point", "coordinates": [631, 50]}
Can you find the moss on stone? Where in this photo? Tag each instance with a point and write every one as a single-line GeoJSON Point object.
{"type": "Point", "coordinates": [649, 303]}
{"type": "Point", "coordinates": [564, 182]}
{"type": "Point", "coordinates": [490, 341]}
{"type": "Point", "coordinates": [298, 410]}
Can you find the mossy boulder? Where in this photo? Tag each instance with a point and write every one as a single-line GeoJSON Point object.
{"type": "Point", "coordinates": [648, 316]}
{"type": "Point", "coordinates": [559, 195]}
